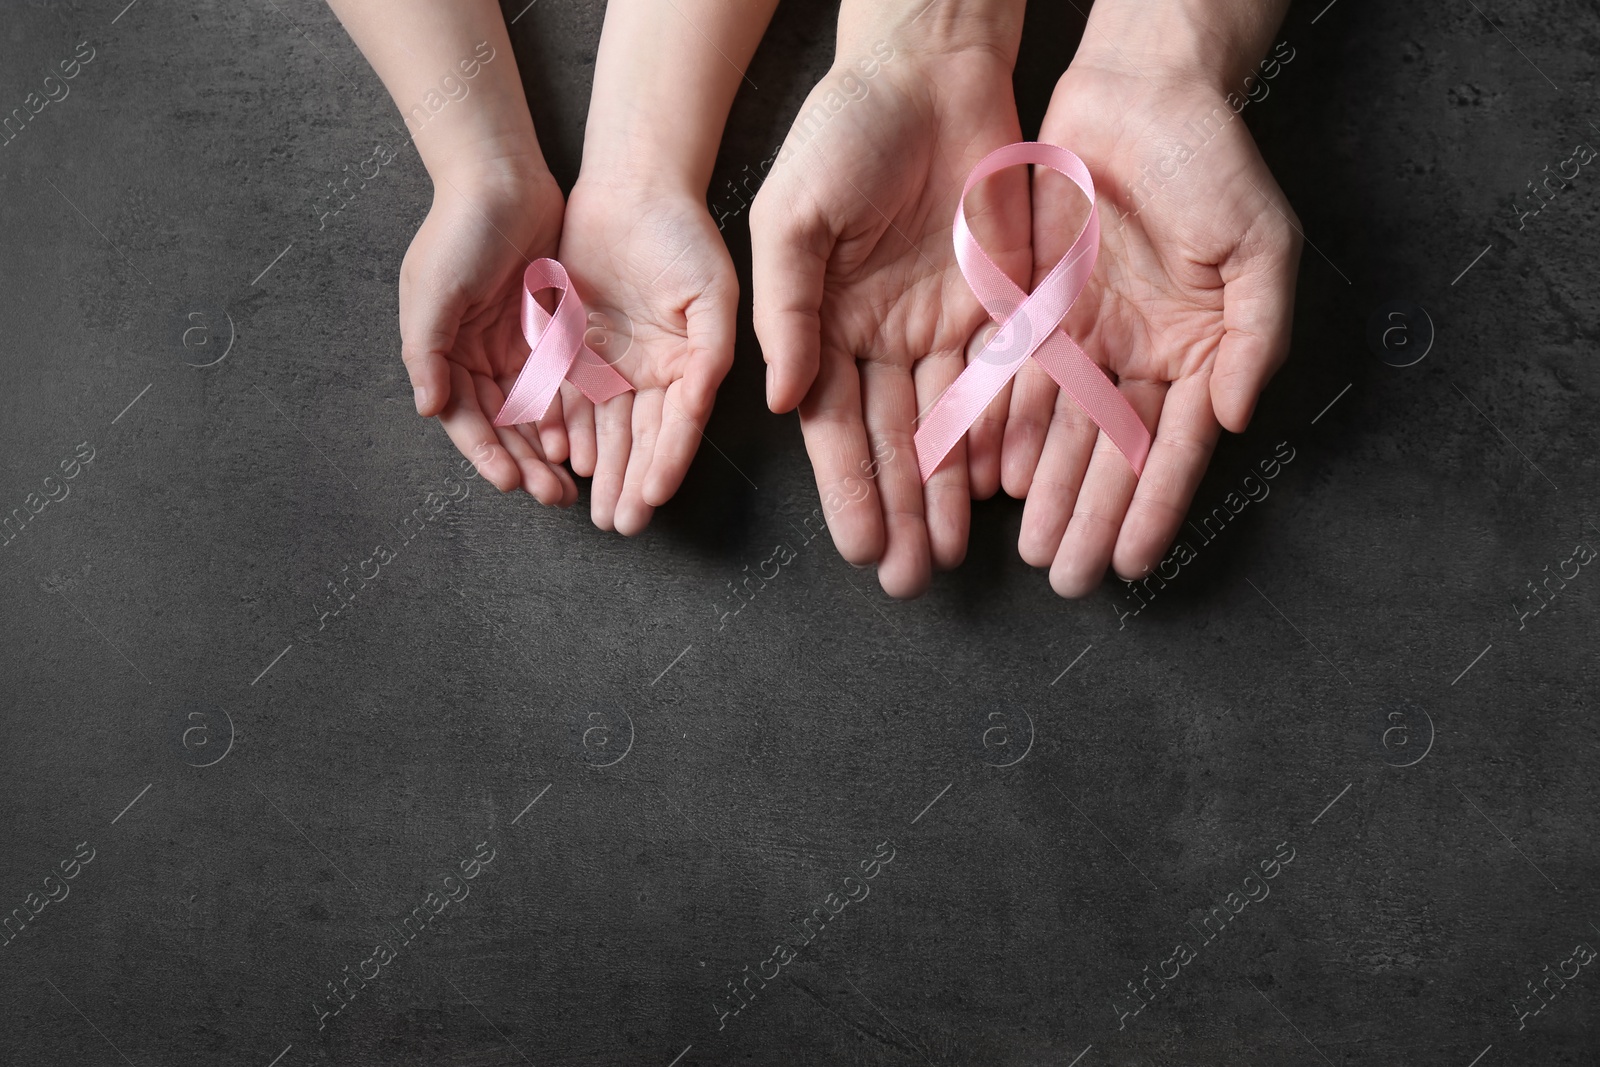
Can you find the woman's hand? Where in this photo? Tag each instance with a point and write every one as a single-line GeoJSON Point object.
{"type": "Point", "coordinates": [1189, 309]}
{"type": "Point", "coordinates": [863, 316]}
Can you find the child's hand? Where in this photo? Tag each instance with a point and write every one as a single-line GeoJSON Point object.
{"type": "Point", "coordinates": [863, 316]}
{"type": "Point", "coordinates": [1189, 308]}
{"type": "Point", "coordinates": [495, 207]}
{"type": "Point", "coordinates": [657, 280]}
{"type": "Point", "coordinates": [460, 319]}
{"type": "Point", "coordinates": [642, 251]}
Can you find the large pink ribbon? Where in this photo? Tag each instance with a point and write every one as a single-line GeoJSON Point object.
{"type": "Point", "coordinates": [556, 351]}
{"type": "Point", "coordinates": [1030, 325]}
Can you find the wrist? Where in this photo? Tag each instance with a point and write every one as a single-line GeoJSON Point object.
{"type": "Point", "coordinates": [665, 78]}
{"type": "Point", "coordinates": [492, 164]}
{"type": "Point", "coordinates": [1210, 44]}
{"type": "Point", "coordinates": [494, 181]}
{"type": "Point", "coordinates": [635, 149]}
{"type": "Point", "coordinates": [625, 187]}
{"type": "Point", "coordinates": [942, 27]}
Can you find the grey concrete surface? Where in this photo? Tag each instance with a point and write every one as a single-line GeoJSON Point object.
{"type": "Point", "coordinates": [247, 806]}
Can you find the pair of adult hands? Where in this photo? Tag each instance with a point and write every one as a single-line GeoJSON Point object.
{"type": "Point", "coordinates": [864, 318]}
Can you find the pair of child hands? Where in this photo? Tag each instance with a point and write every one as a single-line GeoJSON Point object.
{"type": "Point", "coordinates": [862, 315]}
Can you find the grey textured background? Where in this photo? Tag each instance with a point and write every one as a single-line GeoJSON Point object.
{"type": "Point", "coordinates": [508, 650]}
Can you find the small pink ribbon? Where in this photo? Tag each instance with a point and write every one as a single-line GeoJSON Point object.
{"type": "Point", "coordinates": [556, 350]}
{"type": "Point", "coordinates": [1029, 325]}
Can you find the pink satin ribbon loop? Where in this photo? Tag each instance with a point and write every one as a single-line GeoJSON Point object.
{"type": "Point", "coordinates": [556, 350]}
{"type": "Point", "coordinates": [1030, 325]}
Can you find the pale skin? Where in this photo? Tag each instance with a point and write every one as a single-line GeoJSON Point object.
{"type": "Point", "coordinates": [495, 207]}
{"type": "Point", "coordinates": [1192, 298]}
{"type": "Point", "coordinates": [862, 315]}
{"type": "Point", "coordinates": [637, 239]}
{"type": "Point", "coordinates": [863, 319]}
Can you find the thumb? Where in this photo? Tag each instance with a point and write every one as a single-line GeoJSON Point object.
{"type": "Point", "coordinates": [789, 258]}
{"type": "Point", "coordinates": [430, 316]}
{"type": "Point", "coordinates": [1257, 315]}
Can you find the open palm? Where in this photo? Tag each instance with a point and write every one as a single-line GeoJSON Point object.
{"type": "Point", "coordinates": [1188, 308]}
{"type": "Point", "coordinates": [662, 298]}
{"type": "Point", "coordinates": [863, 317]}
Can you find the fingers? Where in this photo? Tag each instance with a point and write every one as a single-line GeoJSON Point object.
{"type": "Point", "coordinates": [678, 438]}
{"type": "Point", "coordinates": [1067, 441]}
{"type": "Point", "coordinates": [429, 319]}
{"type": "Point", "coordinates": [613, 432]}
{"type": "Point", "coordinates": [836, 442]}
{"type": "Point", "coordinates": [1033, 406]}
{"type": "Point", "coordinates": [522, 442]}
{"type": "Point", "coordinates": [1257, 313]}
{"type": "Point", "coordinates": [1177, 461]}
{"type": "Point", "coordinates": [946, 496]}
{"type": "Point", "coordinates": [789, 258]}
{"type": "Point", "coordinates": [552, 431]}
{"type": "Point", "coordinates": [633, 513]}
{"type": "Point", "coordinates": [547, 483]}
{"type": "Point", "coordinates": [889, 403]}
{"type": "Point", "coordinates": [710, 324]}
{"type": "Point", "coordinates": [1108, 487]}
{"type": "Point", "coordinates": [580, 430]}
{"type": "Point", "coordinates": [527, 444]}
{"type": "Point", "coordinates": [508, 456]}
{"type": "Point", "coordinates": [468, 427]}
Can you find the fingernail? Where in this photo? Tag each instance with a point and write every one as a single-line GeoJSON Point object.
{"type": "Point", "coordinates": [770, 377]}
{"type": "Point", "coordinates": [421, 397]}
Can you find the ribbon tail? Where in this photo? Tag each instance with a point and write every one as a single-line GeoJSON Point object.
{"type": "Point", "coordinates": [535, 388]}
{"type": "Point", "coordinates": [1083, 380]}
{"type": "Point", "coordinates": [953, 414]}
{"type": "Point", "coordinates": [595, 378]}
